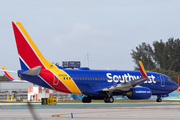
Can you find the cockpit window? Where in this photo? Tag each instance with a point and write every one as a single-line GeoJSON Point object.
{"type": "Point", "coordinates": [170, 79]}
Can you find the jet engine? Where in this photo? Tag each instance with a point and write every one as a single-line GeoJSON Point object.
{"type": "Point", "coordinates": [139, 93]}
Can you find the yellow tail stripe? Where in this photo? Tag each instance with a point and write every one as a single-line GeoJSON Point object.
{"type": "Point", "coordinates": [5, 69]}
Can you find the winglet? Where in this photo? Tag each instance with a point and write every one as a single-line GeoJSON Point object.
{"type": "Point", "coordinates": [7, 74]}
{"type": "Point", "coordinates": [142, 70]}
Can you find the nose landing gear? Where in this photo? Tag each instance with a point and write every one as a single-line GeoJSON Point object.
{"type": "Point", "coordinates": [159, 98]}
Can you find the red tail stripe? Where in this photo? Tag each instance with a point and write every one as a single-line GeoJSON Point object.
{"type": "Point", "coordinates": [8, 76]}
{"type": "Point", "coordinates": [23, 49]}
{"type": "Point", "coordinates": [142, 72]}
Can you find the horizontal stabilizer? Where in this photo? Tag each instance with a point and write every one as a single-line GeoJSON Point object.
{"type": "Point", "coordinates": [34, 71]}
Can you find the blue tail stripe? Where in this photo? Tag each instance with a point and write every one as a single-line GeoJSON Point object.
{"type": "Point", "coordinates": [23, 66]}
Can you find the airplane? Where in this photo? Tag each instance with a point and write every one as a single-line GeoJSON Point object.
{"type": "Point", "coordinates": [92, 84]}
{"type": "Point", "coordinates": [9, 77]}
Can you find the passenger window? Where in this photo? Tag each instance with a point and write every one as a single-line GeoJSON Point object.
{"type": "Point", "coordinates": [64, 78]}
{"type": "Point", "coordinates": [77, 78]}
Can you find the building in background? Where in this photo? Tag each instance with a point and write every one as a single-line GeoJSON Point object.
{"type": "Point", "coordinates": [20, 92]}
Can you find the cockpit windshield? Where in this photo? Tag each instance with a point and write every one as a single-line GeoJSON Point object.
{"type": "Point", "coordinates": [170, 79]}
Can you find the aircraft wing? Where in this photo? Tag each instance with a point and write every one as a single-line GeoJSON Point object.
{"type": "Point", "coordinates": [128, 85]}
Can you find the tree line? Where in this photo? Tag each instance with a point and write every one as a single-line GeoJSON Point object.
{"type": "Point", "coordinates": [162, 57]}
{"type": "Point", "coordinates": [3, 78]}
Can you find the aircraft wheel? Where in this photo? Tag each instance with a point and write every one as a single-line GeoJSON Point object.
{"type": "Point", "coordinates": [108, 99]}
{"type": "Point", "coordinates": [111, 99]}
{"type": "Point", "coordinates": [89, 100]}
{"type": "Point", "coordinates": [86, 100]}
{"type": "Point", "coordinates": [158, 99]}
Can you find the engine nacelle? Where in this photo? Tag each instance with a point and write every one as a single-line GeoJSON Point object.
{"type": "Point", "coordinates": [139, 93]}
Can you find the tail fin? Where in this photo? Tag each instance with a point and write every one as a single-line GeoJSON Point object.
{"type": "Point", "coordinates": [142, 70]}
{"type": "Point", "coordinates": [29, 54]}
{"type": "Point", "coordinates": [7, 74]}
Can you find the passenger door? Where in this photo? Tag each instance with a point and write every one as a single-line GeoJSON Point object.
{"type": "Point", "coordinates": [162, 81]}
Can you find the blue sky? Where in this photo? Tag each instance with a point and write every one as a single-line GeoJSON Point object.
{"type": "Point", "coordinates": [69, 29]}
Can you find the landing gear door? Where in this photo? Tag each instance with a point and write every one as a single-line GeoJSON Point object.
{"type": "Point", "coordinates": [162, 81]}
{"type": "Point", "coordinates": [55, 81]}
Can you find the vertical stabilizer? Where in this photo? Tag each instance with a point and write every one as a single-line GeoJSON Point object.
{"type": "Point", "coordinates": [29, 54]}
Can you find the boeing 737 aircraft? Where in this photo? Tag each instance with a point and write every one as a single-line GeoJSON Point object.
{"type": "Point", "coordinates": [93, 84]}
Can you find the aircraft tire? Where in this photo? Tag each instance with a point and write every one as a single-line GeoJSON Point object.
{"type": "Point", "coordinates": [111, 99]}
{"type": "Point", "coordinates": [159, 100]}
{"type": "Point", "coordinates": [108, 99]}
{"type": "Point", "coordinates": [86, 100]}
{"type": "Point", "coordinates": [89, 100]}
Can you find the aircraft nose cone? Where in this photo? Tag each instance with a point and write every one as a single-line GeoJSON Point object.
{"type": "Point", "coordinates": [175, 86]}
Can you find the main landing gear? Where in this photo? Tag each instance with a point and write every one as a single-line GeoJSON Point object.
{"type": "Point", "coordinates": [86, 99]}
{"type": "Point", "coordinates": [109, 98]}
{"type": "Point", "coordinates": [159, 98]}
